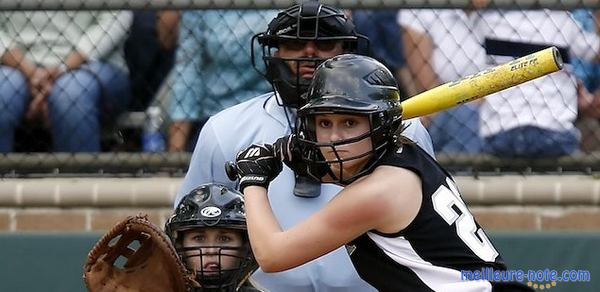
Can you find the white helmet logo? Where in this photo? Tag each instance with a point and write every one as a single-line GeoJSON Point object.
{"type": "Point", "coordinates": [210, 212]}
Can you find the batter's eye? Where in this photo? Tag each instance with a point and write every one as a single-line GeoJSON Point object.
{"type": "Point", "coordinates": [324, 123]}
{"type": "Point", "coordinates": [350, 123]}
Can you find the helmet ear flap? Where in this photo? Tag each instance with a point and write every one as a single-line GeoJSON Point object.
{"type": "Point", "coordinates": [383, 127]}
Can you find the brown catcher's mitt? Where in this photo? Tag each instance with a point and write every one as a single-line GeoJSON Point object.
{"type": "Point", "coordinates": [150, 262]}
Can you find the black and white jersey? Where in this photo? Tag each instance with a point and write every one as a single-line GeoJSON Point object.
{"type": "Point", "coordinates": [442, 240]}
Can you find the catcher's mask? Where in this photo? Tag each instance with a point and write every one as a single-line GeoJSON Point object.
{"type": "Point", "coordinates": [213, 207]}
{"type": "Point", "coordinates": [308, 21]}
{"type": "Point", "coordinates": [353, 85]}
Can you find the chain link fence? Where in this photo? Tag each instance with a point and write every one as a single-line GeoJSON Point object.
{"type": "Point", "coordinates": [123, 87]}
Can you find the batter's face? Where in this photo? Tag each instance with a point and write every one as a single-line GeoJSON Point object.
{"type": "Point", "coordinates": [338, 127]}
{"type": "Point", "coordinates": [213, 257]}
{"type": "Point", "coordinates": [307, 49]}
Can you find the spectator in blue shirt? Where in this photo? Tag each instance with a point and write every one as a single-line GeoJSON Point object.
{"type": "Point", "coordinates": [213, 70]}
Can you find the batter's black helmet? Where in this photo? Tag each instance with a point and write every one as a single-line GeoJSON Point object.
{"type": "Point", "coordinates": [356, 85]}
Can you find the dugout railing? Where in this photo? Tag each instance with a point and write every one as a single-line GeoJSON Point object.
{"type": "Point", "coordinates": [175, 164]}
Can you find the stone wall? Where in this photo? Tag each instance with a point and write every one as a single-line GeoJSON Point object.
{"type": "Point", "coordinates": [95, 204]}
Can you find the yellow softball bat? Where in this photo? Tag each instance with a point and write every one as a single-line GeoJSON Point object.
{"type": "Point", "coordinates": [483, 83]}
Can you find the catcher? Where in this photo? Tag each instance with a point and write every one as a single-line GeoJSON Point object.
{"type": "Point", "coordinates": [205, 248]}
{"type": "Point", "coordinates": [209, 232]}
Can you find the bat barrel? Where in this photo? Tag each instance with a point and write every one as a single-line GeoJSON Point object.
{"type": "Point", "coordinates": [483, 83]}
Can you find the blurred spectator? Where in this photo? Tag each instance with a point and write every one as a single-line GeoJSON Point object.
{"type": "Point", "coordinates": [441, 47]}
{"type": "Point", "coordinates": [535, 119]}
{"type": "Point", "coordinates": [588, 73]}
{"type": "Point", "coordinates": [385, 37]}
{"type": "Point", "coordinates": [65, 69]}
{"type": "Point", "coordinates": [150, 53]}
{"type": "Point", "coordinates": [588, 119]}
{"type": "Point", "coordinates": [213, 70]}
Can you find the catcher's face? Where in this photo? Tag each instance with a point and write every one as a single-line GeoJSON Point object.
{"type": "Point", "coordinates": [211, 251]}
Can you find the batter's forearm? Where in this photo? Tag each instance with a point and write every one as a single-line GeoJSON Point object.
{"type": "Point", "coordinates": [263, 229]}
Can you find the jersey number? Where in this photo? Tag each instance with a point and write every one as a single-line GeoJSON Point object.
{"type": "Point", "coordinates": [449, 205]}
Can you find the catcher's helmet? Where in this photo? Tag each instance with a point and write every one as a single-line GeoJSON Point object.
{"type": "Point", "coordinates": [356, 85]}
{"type": "Point", "coordinates": [213, 205]}
{"type": "Point", "coordinates": [309, 21]}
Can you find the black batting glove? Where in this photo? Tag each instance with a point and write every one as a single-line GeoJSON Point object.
{"type": "Point", "coordinates": [257, 166]}
{"type": "Point", "coordinates": [287, 149]}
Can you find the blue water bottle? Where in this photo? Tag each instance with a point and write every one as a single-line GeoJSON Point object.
{"type": "Point", "coordinates": [152, 138]}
